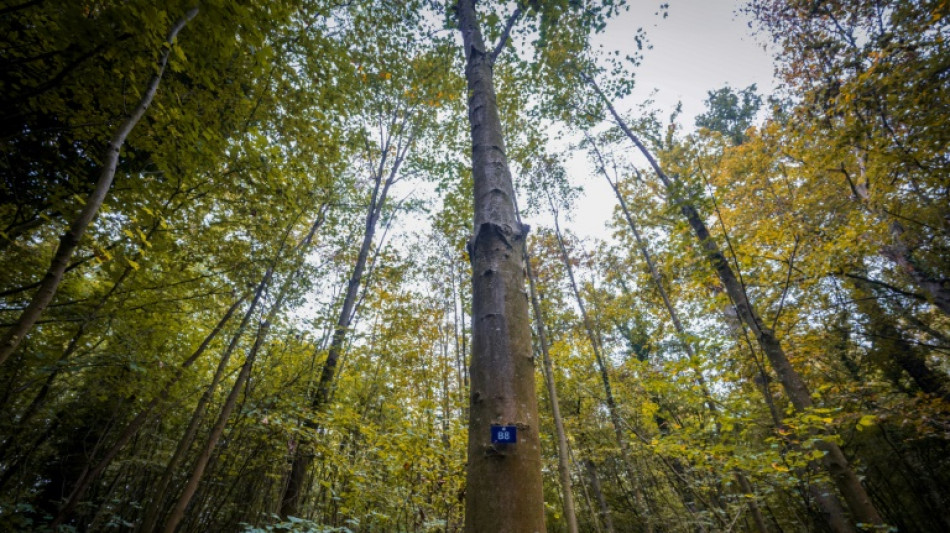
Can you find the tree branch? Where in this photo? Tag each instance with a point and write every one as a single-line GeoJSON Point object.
{"type": "Point", "coordinates": [505, 34]}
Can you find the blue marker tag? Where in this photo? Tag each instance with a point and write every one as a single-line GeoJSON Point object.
{"type": "Point", "coordinates": [504, 435]}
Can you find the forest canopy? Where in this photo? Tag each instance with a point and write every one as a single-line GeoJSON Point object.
{"type": "Point", "coordinates": [263, 267]}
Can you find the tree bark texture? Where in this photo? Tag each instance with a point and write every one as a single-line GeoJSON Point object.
{"type": "Point", "coordinates": [503, 481]}
{"type": "Point", "coordinates": [70, 240]}
{"type": "Point", "coordinates": [935, 290]}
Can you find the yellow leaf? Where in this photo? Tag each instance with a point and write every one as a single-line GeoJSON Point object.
{"type": "Point", "coordinates": [132, 263]}
{"type": "Point", "coordinates": [866, 421]}
{"type": "Point", "coordinates": [142, 236]}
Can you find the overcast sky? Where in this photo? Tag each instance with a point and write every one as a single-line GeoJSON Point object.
{"type": "Point", "coordinates": [701, 46]}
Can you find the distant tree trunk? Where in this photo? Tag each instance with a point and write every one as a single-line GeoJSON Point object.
{"type": "Point", "coordinates": [154, 507]}
{"type": "Point", "coordinates": [936, 291]}
{"type": "Point", "coordinates": [563, 453]}
{"type": "Point", "coordinates": [612, 408]}
{"type": "Point", "coordinates": [893, 346]}
{"type": "Point", "coordinates": [300, 466]}
{"type": "Point", "coordinates": [70, 240]}
{"type": "Point", "coordinates": [159, 492]}
{"type": "Point", "coordinates": [753, 503]}
{"type": "Point", "coordinates": [90, 474]}
{"type": "Point", "coordinates": [678, 327]}
{"type": "Point", "coordinates": [503, 481]}
{"type": "Point", "coordinates": [599, 494]}
{"type": "Point", "coordinates": [178, 511]}
{"type": "Point", "coordinates": [845, 479]}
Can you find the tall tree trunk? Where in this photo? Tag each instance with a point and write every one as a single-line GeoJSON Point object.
{"type": "Point", "coordinates": [747, 489]}
{"type": "Point", "coordinates": [889, 340]}
{"type": "Point", "coordinates": [612, 408]}
{"type": "Point", "coordinates": [563, 459]}
{"type": "Point", "coordinates": [744, 483]}
{"type": "Point", "coordinates": [836, 464]}
{"type": "Point", "coordinates": [70, 240]}
{"type": "Point", "coordinates": [898, 252]}
{"type": "Point", "coordinates": [178, 511]}
{"type": "Point", "coordinates": [154, 508]}
{"type": "Point", "coordinates": [300, 466]}
{"type": "Point", "coordinates": [503, 481]}
{"type": "Point", "coordinates": [599, 494]}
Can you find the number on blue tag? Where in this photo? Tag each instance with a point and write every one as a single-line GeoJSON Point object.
{"type": "Point", "coordinates": [504, 435]}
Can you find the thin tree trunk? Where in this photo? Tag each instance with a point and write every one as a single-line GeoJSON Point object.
{"type": "Point", "coordinates": [503, 481]}
{"type": "Point", "coordinates": [612, 408]}
{"type": "Point", "coordinates": [300, 466]}
{"type": "Point", "coordinates": [184, 444]}
{"type": "Point", "coordinates": [563, 460]}
{"type": "Point", "coordinates": [132, 428]}
{"type": "Point", "coordinates": [599, 494]}
{"type": "Point", "coordinates": [678, 327]}
{"type": "Point", "coordinates": [178, 511]}
{"type": "Point", "coordinates": [90, 316]}
{"type": "Point", "coordinates": [70, 240]}
{"type": "Point", "coordinates": [753, 503]}
{"type": "Point", "coordinates": [837, 465]}
{"type": "Point", "coordinates": [891, 341]}
{"type": "Point", "coordinates": [154, 507]}
{"type": "Point", "coordinates": [898, 252]}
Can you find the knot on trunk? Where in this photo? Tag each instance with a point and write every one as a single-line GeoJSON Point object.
{"type": "Point", "coordinates": [489, 231]}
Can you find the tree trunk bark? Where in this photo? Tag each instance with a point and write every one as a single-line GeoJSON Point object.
{"type": "Point", "coordinates": [599, 494]}
{"type": "Point", "coordinates": [898, 252]}
{"type": "Point", "coordinates": [217, 431]}
{"type": "Point", "coordinates": [70, 240]}
{"type": "Point", "coordinates": [678, 327]}
{"type": "Point", "coordinates": [154, 506]}
{"type": "Point", "coordinates": [753, 502]}
{"type": "Point", "coordinates": [890, 340]}
{"type": "Point", "coordinates": [503, 481]}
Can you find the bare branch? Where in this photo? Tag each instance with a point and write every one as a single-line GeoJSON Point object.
{"type": "Point", "coordinates": [505, 34]}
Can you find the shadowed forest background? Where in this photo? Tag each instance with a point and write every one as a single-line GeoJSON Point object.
{"type": "Point", "coordinates": [236, 284]}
